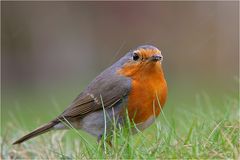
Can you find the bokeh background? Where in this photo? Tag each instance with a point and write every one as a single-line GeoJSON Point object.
{"type": "Point", "coordinates": [51, 50]}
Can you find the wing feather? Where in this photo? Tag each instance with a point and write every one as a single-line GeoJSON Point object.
{"type": "Point", "coordinates": [111, 91]}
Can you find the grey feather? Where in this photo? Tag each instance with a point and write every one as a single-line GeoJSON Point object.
{"type": "Point", "coordinates": [86, 111]}
{"type": "Point", "coordinates": [109, 84]}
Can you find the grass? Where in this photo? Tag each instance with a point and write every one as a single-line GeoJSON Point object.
{"type": "Point", "coordinates": [203, 129]}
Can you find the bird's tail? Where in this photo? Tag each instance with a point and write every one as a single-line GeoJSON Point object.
{"type": "Point", "coordinates": [44, 128]}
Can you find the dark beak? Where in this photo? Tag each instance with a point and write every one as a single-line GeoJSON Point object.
{"type": "Point", "coordinates": [155, 58]}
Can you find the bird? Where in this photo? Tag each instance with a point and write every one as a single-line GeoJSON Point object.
{"type": "Point", "coordinates": [134, 87]}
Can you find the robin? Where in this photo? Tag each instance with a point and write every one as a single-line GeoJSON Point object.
{"type": "Point", "coordinates": [135, 84]}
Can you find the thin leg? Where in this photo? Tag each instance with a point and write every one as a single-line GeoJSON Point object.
{"type": "Point", "coordinates": [99, 138]}
{"type": "Point", "coordinates": [108, 140]}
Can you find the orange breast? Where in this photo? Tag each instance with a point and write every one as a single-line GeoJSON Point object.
{"type": "Point", "coordinates": [148, 89]}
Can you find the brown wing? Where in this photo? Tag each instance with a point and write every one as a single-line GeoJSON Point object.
{"type": "Point", "coordinates": [108, 86]}
{"type": "Point", "coordinates": [107, 89]}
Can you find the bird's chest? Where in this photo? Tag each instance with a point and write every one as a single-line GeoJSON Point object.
{"type": "Point", "coordinates": [146, 98]}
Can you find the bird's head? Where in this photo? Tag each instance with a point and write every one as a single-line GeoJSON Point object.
{"type": "Point", "coordinates": [143, 59]}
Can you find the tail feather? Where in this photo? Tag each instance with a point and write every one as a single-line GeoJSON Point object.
{"type": "Point", "coordinates": [45, 128]}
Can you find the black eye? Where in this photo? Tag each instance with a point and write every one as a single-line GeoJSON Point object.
{"type": "Point", "coordinates": [135, 56]}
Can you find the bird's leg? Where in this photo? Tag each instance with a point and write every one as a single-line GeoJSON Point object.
{"type": "Point", "coordinates": [99, 138]}
{"type": "Point", "coordinates": [107, 140]}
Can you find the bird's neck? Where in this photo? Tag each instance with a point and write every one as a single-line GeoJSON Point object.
{"type": "Point", "coordinates": [149, 78]}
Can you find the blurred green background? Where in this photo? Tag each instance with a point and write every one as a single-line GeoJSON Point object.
{"type": "Point", "coordinates": [52, 50]}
